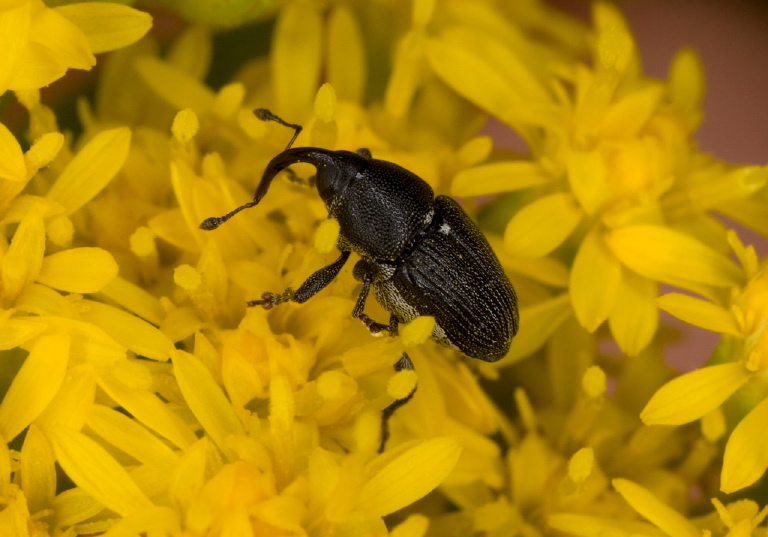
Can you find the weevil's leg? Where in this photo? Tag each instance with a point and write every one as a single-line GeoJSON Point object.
{"type": "Point", "coordinates": [313, 285]}
{"type": "Point", "coordinates": [364, 273]}
{"type": "Point", "coordinates": [403, 363]}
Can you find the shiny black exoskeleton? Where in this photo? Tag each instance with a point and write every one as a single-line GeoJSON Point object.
{"type": "Point", "coordinates": [422, 255]}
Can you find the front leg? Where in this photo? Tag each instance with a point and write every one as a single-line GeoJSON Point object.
{"type": "Point", "coordinates": [313, 285]}
{"type": "Point", "coordinates": [365, 272]}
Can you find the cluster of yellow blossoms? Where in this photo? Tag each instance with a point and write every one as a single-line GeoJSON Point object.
{"type": "Point", "coordinates": [140, 397]}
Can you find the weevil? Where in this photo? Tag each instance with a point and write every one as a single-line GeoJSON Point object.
{"type": "Point", "coordinates": [421, 254]}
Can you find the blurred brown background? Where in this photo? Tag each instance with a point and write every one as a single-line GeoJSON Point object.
{"type": "Point", "coordinates": [731, 36]}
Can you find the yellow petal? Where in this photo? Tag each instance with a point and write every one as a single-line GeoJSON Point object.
{"type": "Point", "coordinates": [189, 475]}
{"type": "Point", "coordinates": [422, 12]}
{"type": "Point", "coordinates": [615, 46]}
{"type": "Point", "coordinates": [635, 316]}
{"type": "Point", "coordinates": [625, 118]}
{"type": "Point", "coordinates": [191, 52]}
{"type": "Point", "coordinates": [240, 375]}
{"type": "Point", "coordinates": [228, 100]}
{"type": "Point", "coordinates": [746, 255]}
{"type": "Point", "coordinates": [686, 84]}
{"type": "Point", "coordinates": [11, 4]}
{"type": "Point", "coordinates": [595, 279]}
{"type": "Point", "coordinates": [174, 86]}
{"type": "Point", "coordinates": [549, 270]}
{"type": "Point", "coordinates": [74, 506]}
{"type": "Point", "coordinates": [525, 85]}
{"type": "Point", "coordinates": [750, 212]}
{"type": "Point", "coordinates": [42, 300]}
{"type": "Point", "coordinates": [297, 42]}
{"type": "Point", "coordinates": [35, 385]}
{"type": "Point", "coordinates": [498, 177]}
{"type": "Point", "coordinates": [746, 459]}
{"type": "Point", "coordinates": [542, 226]}
{"type": "Point", "coordinates": [78, 270]}
{"type": "Point", "coordinates": [12, 166]}
{"type": "Point", "coordinates": [38, 470]}
{"type": "Point", "coordinates": [43, 151]}
{"type": "Point", "coordinates": [663, 254]}
{"type": "Point", "coordinates": [24, 259]}
{"type": "Point", "coordinates": [692, 395]}
{"type": "Point", "coordinates": [163, 520]}
{"type": "Point", "coordinates": [205, 398]}
{"type": "Point", "coordinates": [470, 76]}
{"type": "Point", "coordinates": [475, 150]}
{"type": "Point", "coordinates": [407, 74]}
{"type": "Point", "coordinates": [594, 526]}
{"type": "Point", "coordinates": [282, 412]}
{"type": "Point", "coordinates": [146, 406]}
{"type": "Point", "coordinates": [659, 513]}
{"type": "Point", "coordinates": [95, 471]}
{"type": "Point", "coordinates": [107, 26]}
{"type": "Point", "coordinates": [5, 465]}
{"type": "Point", "coordinates": [171, 227]}
{"type": "Point", "coordinates": [92, 169]}
{"type": "Point", "coordinates": [415, 525]}
{"type": "Point", "coordinates": [699, 312]}
{"type": "Point", "coordinates": [89, 343]}
{"type": "Point", "coordinates": [38, 67]}
{"type": "Point", "coordinates": [67, 409]}
{"type": "Point", "coordinates": [14, 332]}
{"type": "Point", "coordinates": [130, 436]}
{"type": "Point", "coordinates": [57, 34]}
{"type": "Point", "coordinates": [22, 205]}
{"type": "Point", "coordinates": [538, 322]}
{"type": "Point", "coordinates": [588, 177]}
{"type": "Point", "coordinates": [409, 476]}
{"type": "Point", "coordinates": [135, 299]}
{"type": "Point", "coordinates": [136, 334]}
{"type": "Point", "coordinates": [346, 63]}
{"type": "Point", "coordinates": [532, 461]}
{"type": "Point", "coordinates": [739, 183]}
{"type": "Point", "coordinates": [14, 35]}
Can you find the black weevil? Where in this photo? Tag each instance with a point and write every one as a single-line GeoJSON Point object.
{"type": "Point", "coordinates": [422, 254]}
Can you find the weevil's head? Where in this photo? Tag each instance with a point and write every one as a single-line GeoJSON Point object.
{"type": "Point", "coordinates": [336, 170]}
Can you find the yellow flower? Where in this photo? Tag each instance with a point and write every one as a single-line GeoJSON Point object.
{"type": "Point", "coordinates": [612, 159]}
{"type": "Point", "coordinates": [131, 364]}
{"type": "Point", "coordinates": [742, 320]}
{"type": "Point", "coordinates": [739, 517]}
{"type": "Point", "coordinates": [41, 43]}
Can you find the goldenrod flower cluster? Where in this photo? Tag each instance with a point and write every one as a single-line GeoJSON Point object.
{"type": "Point", "coordinates": [141, 397]}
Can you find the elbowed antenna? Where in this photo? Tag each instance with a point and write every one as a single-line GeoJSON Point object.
{"type": "Point", "coordinates": [264, 115]}
{"type": "Point", "coordinates": [215, 221]}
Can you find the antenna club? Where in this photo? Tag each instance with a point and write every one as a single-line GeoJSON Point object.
{"type": "Point", "coordinates": [211, 223]}
{"type": "Point", "coordinates": [263, 114]}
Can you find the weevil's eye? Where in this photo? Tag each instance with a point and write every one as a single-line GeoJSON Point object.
{"type": "Point", "coordinates": [364, 152]}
